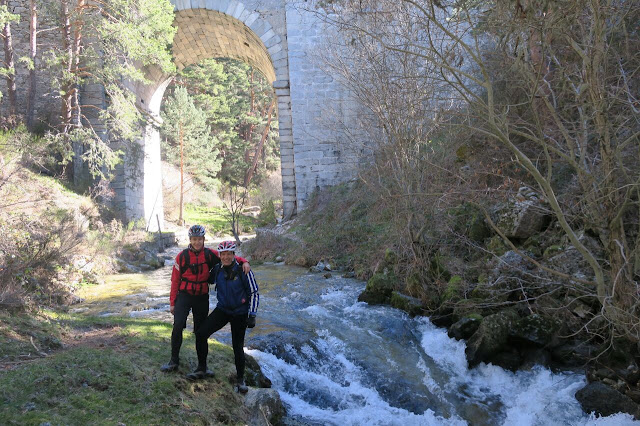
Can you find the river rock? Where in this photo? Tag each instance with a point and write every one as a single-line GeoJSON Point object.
{"type": "Point", "coordinates": [634, 394]}
{"type": "Point", "coordinates": [535, 357]}
{"type": "Point", "coordinates": [264, 406]}
{"type": "Point", "coordinates": [280, 344]}
{"type": "Point", "coordinates": [490, 338]}
{"type": "Point", "coordinates": [468, 220]}
{"type": "Point", "coordinates": [509, 359]}
{"type": "Point", "coordinates": [379, 289]}
{"type": "Point", "coordinates": [605, 401]}
{"type": "Point", "coordinates": [464, 328]}
{"type": "Point", "coordinates": [534, 329]}
{"type": "Point", "coordinates": [631, 374]}
{"type": "Point", "coordinates": [254, 375]}
{"type": "Point", "coordinates": [127, 268]}
{"type": "Point", "coordinates": [573, 353]}
{"type": "Point", "coordinates": [523, 216]}
{"type": "Point", "coordinates": [410, 305]}
{"type": "Point", "coordinates": [321, 266]}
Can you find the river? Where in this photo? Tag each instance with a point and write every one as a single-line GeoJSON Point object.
{"type": "Point", "coordinates": [336, 361]}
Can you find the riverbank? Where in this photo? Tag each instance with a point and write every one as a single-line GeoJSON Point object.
{"type": "Point", "coordinates": [64, 368]}
{"type": "Point", "coordinates": [503, 296]}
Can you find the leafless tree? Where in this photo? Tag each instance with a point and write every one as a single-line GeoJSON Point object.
{"type": "Point", "coordinates": [553, 83]}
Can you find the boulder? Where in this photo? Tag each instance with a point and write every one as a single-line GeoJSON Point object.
{"type": "Point", "coordinates": [264, 406]}
{"type": "Point", "coordinates": [379, 289]}
{"type": "Point", "coordinates": [490, 338]}
{"type": "Point", "coordinates": [536, 357]}
{"type": "Point", "coordinates": [605, 401]}
{"type": "Point", "coordinates": [573, 353]}
{"type": "Point", "coordinates": [254, 375]}
{"type": "Point", "coordinates": [409, 304]}
{"type": "Point", "coordinates": [509, 360]}
{"type": "Point", "coordinates": [534, 329]}
{"type": "Point", "coordinates": [464, 328]}
{"type": "Point", "coordinates": [468, 220]}
{"type": "Point", "coordinates": [127, 268]}
{"type": "Point", "coordinates": [453, 291]}
{"type": "Point", "coordinates": [321, 266]}
{"type": "Point", "coordinates": [523, 216]}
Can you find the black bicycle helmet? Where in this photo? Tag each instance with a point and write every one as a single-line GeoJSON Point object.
{"type": "Point", "coordinates": [196, 231]}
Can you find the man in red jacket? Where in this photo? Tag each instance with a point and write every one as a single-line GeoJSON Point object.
{"type": "Point", "coordinates": [190, 292]}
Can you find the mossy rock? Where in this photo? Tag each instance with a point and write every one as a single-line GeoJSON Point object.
{"type": "Point", "coordinates": [465, 327]}
{"type": "Point", "coordinates": [497, 246]}
{"type": "Point", "coordinates": [533, 245]}
{"type": "Point", "coordinates": [437, 269]}
{"type": "Point", "coordinates": [487, 292]}
{"type": "Point", "coordinates": [467, 308]}
{"type": "Point", "coordinates": [379, 289]}
{"type": "Point", "coordinates": [381, 283]}
{"type": "Point", "coordinates": [409, 304]}
{"type": "Point", "coordinates": [469, 221]}
{"type": "Point", "coordinates": [491, 337]}
{"type": "Point", "coordinates": [551, 251]}
{"type": "Point", "coordinates": [535, 329]}
{"type": "Point", "coordinates": [453, 290]}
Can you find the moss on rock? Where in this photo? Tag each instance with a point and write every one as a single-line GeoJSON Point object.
{"type": "Point", "coordinates": [551, 251]}
{"type": "Point", "coordinates": [497, 246]}
{"type": "Point", "coordinates": [379, 289]}
{"type": "Point", "coordinates": [409, 304]}
{"type": "Point", "coordinates": [453, 290]}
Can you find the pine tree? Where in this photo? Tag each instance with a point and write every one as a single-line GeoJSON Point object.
{"type": "Point", "coordinates": [240, 105]}
{"type": "Point", "coordinates": [8, 70]}
{"type": "Point", "coordinates": [110, 44]}
{"type": "Point", "coordinates": [188, 141]}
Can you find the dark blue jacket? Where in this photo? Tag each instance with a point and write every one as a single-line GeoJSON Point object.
{"type": "Point", "coordinates": [237, 293]}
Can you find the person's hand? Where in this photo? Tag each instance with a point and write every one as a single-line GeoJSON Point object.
{"type": "Point", "coordinates": [173, 310]}
{"type": "Point", "coordinates": [246, 268]}
{"type": "Point", "coordinates": [251, 321]}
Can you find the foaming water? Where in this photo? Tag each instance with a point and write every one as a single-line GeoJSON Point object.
{"type": "Point", "coordinates": [348, 363]}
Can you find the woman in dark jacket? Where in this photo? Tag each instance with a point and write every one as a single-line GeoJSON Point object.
{"type": "Point", "coordinates": [238, 301]}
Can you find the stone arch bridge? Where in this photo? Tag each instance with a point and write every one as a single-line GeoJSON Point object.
{"type": "Point", "coordinates": [277, 38]}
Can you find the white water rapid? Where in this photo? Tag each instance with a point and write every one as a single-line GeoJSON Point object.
{"type": "Point", "coordinates": [336, 361]}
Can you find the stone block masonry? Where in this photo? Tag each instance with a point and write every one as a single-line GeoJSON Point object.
{"type": "Point", "coordinates": [278, 37]}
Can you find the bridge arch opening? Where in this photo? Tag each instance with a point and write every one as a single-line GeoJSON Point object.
{"type": "Point", "coordinates": [207, 33]}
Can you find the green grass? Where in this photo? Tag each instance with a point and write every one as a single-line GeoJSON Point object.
{"type": "Point", "coordinates": [106, 372]}
{"type": "Point", "coordinates": [215, 219]}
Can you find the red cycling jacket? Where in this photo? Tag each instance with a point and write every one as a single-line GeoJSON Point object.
{"type": "Point", "coordinates": [191, 275]}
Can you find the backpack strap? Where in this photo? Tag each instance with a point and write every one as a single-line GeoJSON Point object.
{"type": "Point", "coordinates": [213, 275]}
{"type": "Point", "coordinates": [208, 258]}
{"type": "Point", "coordinates": [184, 260]}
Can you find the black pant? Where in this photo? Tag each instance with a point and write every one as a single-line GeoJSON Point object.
{"type": "Point", "coordinates": [184, 303]}
{"type": "Point", "coordinates": [214, 322]}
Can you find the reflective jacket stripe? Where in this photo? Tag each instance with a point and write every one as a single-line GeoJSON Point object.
{"type": "Point", "coordinates": [254, 297]}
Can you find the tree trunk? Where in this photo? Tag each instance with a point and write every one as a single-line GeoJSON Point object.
{"type": "Point", "coordinates": [33, 49]}
{"type": "Point", "coordinates": [9, 58]}
{"type": "Point", "coordinates": [180, 220]}
{"type": "Point", "coordinates": [257, 154]}
{"type": "Point", "coordinates": [67, 86]}
{"type": "Point", "coordinates": [77, 50]}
